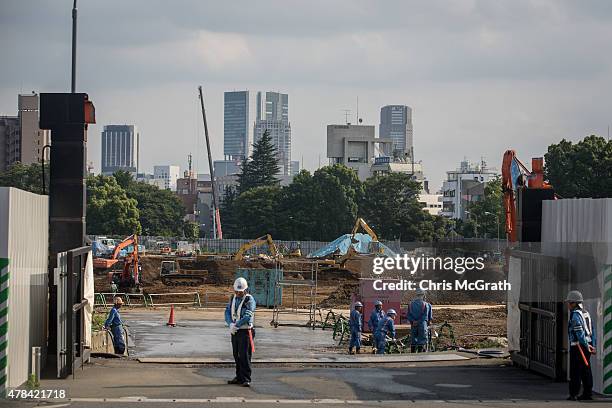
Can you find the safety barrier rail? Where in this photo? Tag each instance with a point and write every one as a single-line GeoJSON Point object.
{"type": "Point", "coordinates": [195, 302]}
{"type": "Point", "coordinates": [130, 299]}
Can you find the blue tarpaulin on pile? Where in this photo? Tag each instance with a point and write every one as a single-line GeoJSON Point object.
{"type": "Point", "coordinates": [341, 244]}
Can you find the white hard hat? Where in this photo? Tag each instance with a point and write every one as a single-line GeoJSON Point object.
{"type": "Point", "coordinates": [358, 304]}
{"type": "Point", "coordinates": [391, 312]}
{"type": "Point", "coordinates": [378, 303]}
{"type": "Point", "coordinates": [574, 296]}
{"type": "Point", "coordinates": [420, 292]}
{"type": "Point", "coordinates": [240, 284]}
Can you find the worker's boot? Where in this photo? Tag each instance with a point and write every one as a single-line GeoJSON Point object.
{"type": "Point", "coordinates": [358, 350]}
{"type": "Point", "coordinates": [351, 350]}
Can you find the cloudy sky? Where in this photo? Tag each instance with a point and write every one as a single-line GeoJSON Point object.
{"type": "Point", "coordinates": [481, 76]}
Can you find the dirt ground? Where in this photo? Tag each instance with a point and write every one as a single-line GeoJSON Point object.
{"type": "Point", "coordinates": [472, 326]}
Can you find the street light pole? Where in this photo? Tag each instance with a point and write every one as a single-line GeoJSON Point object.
{"type": "Point", "coordinates": [74, 47]}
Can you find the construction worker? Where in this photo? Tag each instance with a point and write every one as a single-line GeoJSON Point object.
{"type": "Point", "coordinates": [420, 317]}
{"type": "Point", "coordinates": [239, 316]}
{"type": "Point", "coordinates": [356, 326]}
{"type": "Point", "coordinates": [376, 316]}
{"type": "Point", "coordinates": [115, 325]}
{"type": "Point", "coordinates": [582, 345]}
{"type": "Point", "coordinates": [386, 327]}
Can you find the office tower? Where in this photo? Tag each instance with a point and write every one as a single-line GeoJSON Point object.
{"type": "Point", "coordinates": [396, 124]}
{"type": "Point", "coordinates": [120, 144]}
{"type": "Point", "coordinates": [273, 116]}
{"type": "Point", "coordinates": [236, 125]}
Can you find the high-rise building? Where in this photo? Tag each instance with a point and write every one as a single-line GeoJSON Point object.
{"type": "Point", "coordinates": [21, 140]}
{"type": "Point", "coordinates": [170, 175]}
{"type": "Point", "coordinates": [236, 125]}
{"type": "Point", "coordinates": [396, 124]}
{"type": "Point", "coordinates": [120, 148]}
{"type": "Point", "coordinates": [273, 116]}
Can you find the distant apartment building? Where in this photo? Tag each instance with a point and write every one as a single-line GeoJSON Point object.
{"type": "Point", "coordinates": [169, 175]}
{"type": "Point", "coordinates": [396, 124]}
{"type": "Point", "coordinates": [273, 116]}
{"type": "Point", "coordinates": [21, 140]}
{"type": "Point", "coordinates": [120, 149]}
{"type": "Point", "coordinates": [226, 167]}
{"type": "Point", "coordinates": [355, 146]}
{"type": "Point", "coordinates": [464, 185]}
{"type": "Point", "coordinates": [432, 203]}
{"type": "Point", "coordinates": [236, 125]}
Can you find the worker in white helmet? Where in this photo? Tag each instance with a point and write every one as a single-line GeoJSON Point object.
{"type": "Point", "coordinates": [239, 316]}
{"type": "Point", "coordinates": [115, 325]}
{"type": "Point", "coordinates": [582, 345]}
{"type": "Point", "coordinates": [420, 317]}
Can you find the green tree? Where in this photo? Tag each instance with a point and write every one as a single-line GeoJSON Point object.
{"type": "Point", "coordinates": [161, 211]}
{"type": "Point", "coordinates": [109, 210]}
{"type": "Point", "coordinates": [228, 216]}
{"type": "Point", "coordinates": [297, 207]}
{"type": "Point", "coordinates": [124, 179]}
{"type": "Point", "coordinates": [256, 211]}
{"type": "Point", "coordinates": [191, 230]}
{"type": "Point", "coordinates": [392, 209]}
{"type": "Point", "coordinates": [26, 177]}
{"type": "Point", "coordinates": [261, 168]}
{"type": "Point", "coordinates": [487, 215]}
{"type": "Point", "coordinates": [583, 169]}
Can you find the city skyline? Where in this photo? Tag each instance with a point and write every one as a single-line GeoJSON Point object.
{"type": "Point", "coordinates": [475, 89]}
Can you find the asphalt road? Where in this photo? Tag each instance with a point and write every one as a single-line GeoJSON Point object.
{"type": "Point", "coordinates": [494, 384]}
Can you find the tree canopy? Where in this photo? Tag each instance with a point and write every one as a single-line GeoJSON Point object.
{"type": "Point", "coordinates": [582, 169]}
{"type": "Point", "coordinates": [26, 177]}
{"type": "Point", "coordinates": [109, 210]}
{"type": "Point", "coordinates": [261, 168]}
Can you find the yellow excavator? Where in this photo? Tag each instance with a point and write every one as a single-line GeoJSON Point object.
{"type": "Point", "coordinates": [257, 242]}
{"type": "Point", "coordinates": [375, 247]}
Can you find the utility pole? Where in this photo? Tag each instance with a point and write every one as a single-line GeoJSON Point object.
{"type": "Point", "coordinates": [74, 47]}
{"type": "Point", "coordinates": [217, 232]}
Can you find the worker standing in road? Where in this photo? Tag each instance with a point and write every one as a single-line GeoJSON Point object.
{"type": "Point", "coordinates": [115, 325]}
{"type": "Point", "coordinates": [239, 316]}
{"type": "Point", "coordinates": [582, 346]}
{"type": "Point", "coordinates": [376, 316]}
{"type": "Point", "coordinates": [420, 317]}
{"type": "Point", "coordinates": [386, 327]}
{"type": "Point", "coordinates": [356, 326]}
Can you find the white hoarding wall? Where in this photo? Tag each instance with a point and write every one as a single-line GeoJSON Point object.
{"type": "Point", "coordinates": [24, 241]}
{"type": "Point", "coordinates": [580, 231]}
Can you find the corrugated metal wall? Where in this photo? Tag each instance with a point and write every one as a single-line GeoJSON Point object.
{"type": "Point", "coordinates": [24, 240]}
{"type": "Point", "coordinates": [580, 231]}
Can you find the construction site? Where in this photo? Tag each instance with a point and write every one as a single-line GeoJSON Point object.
{"type": "Point", "coordinates": [361, 319]}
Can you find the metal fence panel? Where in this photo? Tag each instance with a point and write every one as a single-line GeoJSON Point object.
{"type": "Point", "coordinates": [24, 241]}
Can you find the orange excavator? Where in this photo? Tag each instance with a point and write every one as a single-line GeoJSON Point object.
{"type": "Point", "coordinates": [524, 191]}
{"type": "Point", "coordinates": [130, 276]}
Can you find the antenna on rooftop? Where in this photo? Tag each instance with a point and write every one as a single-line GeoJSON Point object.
{"type": "Point", "coordinates": [347, 113]}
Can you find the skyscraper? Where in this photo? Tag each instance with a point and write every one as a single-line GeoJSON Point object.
{"type": "Point", "coordinates": [120, 144]}
{"type": "Point", "coordinates": [236, 124]}
{"type": "Point", "coordinates": [396, 124]}
{"type": "Point", "coordinates": [273, 116]}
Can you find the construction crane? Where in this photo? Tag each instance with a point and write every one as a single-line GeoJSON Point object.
{"type": "Point", "coordinates": [516, 179]}
{"type": "Point", "coordinates": [263, 240]}
{"type": "Point", "coordinates": [217, 232]}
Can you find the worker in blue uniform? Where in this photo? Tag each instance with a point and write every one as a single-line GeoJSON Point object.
{"type": "Point", "coordinates": [115, 325]}
{"type": "Point", "coordinates": [376, 316]}
{"type": "Point", "coordinates": [356, 327]}
{"type": "Point", "coordinates": [582, 346]}
{"type": "Point", "coordinates": [239, 316]}
{"type": "Point", "coordinates": [420, 317]}
{"type": "Point", "coordinates": [386, 327]}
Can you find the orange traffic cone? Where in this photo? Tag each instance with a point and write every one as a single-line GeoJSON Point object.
{"type": "Point", "coordinates": [171, 321]}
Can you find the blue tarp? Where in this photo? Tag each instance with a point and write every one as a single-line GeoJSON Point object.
{"type": "Point", "coordinates": [341, 244]}
{"type": "Point", "coordinates": [99, 249]}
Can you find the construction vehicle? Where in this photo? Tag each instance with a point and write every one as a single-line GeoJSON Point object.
{"type": "Point", "coordinates": [172, 275]}
{"type": "Point", "coordinates": [257, 242]}
{"type": "Point", "coordinates": [524, 191]}
{"type": "Point", "coordinates": [129, 277]}
{"type": "Point", "coordinates": [351, 252]}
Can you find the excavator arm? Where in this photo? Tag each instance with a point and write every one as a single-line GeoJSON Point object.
{"type": "Point", "coordinates": [361, 223]}
{"type": "Point", "coordinates": [263, 240]}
